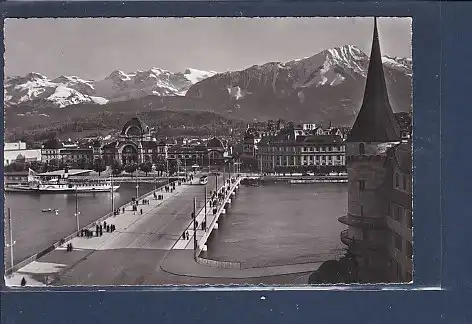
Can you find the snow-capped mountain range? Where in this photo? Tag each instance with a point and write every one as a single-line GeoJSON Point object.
{"type": "Point", "coordinates": [326, 86]}
{"type": "Point", "coordinates": [63, 91]}
{"type": "Point", "coordinates": [314, 87]}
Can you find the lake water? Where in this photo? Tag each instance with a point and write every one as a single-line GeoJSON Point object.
{"type": "Point", "coordinates": [277, 224]}
{"type": "Point", "coordinates": [273, 224]}
{"type": "Point", "coordinates": [34, 230]}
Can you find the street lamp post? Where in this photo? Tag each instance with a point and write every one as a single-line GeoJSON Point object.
{"type": "Point", "coordinates": [112, 195]}
{"type": "Point", "coordinates": [11, 238]}
{"type": "Point", "coordinates": [137, 186]}
{"type": "Point", "coordinates": [167, 169]}
{"type": "Point", "coordinates": [195, 226]}
{"type": "Point", "coordinates": [205, 207]}
{"type": "Point", "coordinates": [155, 184]}
{"type": "Point", "coordinates": [77, 209]}
{"type": "Point", "coordinates": [185, 167]}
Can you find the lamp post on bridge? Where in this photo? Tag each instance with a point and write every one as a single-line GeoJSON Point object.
{"type": "Point", "coordinates": [167, 168]}
{"type": "Point", "coordinates": [194, 226]}
{"type": "Point", "coordinates": [224, 171]}
{"type": "Point", "coordinates": [205, 207]}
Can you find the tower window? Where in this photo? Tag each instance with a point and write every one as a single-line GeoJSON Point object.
{"type": "Point", "coordinates": [362, 210]}
{"type": "Point", "coordinates": [409, 219]}
{"type": "Point", "coordinates": [398, 242]}
{"type": "Point", "coordinates": [361, 148]}
{"type": "Point", "coordinates": [361, 185]}
{"type": "Point", "coordinates": [398, 214]}
{"type": "Point", "coordinates": [409, 250]}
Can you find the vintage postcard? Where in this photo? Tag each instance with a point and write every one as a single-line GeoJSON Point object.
{"type": "Point", "coordinates": [191, 151]}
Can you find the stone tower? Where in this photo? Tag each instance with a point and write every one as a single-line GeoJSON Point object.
{"type": "Point", "coordinates": [374, 131]}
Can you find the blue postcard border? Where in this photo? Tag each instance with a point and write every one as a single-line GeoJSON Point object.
{"type": "Point", "coordinates": [441, 226]}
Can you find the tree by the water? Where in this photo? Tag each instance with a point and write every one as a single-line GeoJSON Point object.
{"type": "Point", "coordinates": [160, 163]}
{"type": "Point", "coordinates": [146, 167]}
{"type": "Point", "coordinates": [116, 168]}
{"type": "Point", "coordinates": [99, 166]}
{"type": "Point", "coordinates": [130, 168]}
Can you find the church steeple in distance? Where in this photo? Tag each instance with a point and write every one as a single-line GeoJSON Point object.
{"type": "Point", "coordinates": [375, 121]}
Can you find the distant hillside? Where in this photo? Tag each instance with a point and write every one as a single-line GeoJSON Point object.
{"type": "Point", "coordinates": [166, 122]}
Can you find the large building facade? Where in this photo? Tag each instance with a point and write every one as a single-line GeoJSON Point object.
{"type": "Point", "coordinates": [54, 150]}
{"type": "Point", "coordinates": [290, 149]}
{"type": "Point", "coordinates": [380, 243]}
{"type": "Point", "coordinates": [134, 145]}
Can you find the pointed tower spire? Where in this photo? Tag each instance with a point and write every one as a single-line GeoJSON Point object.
{"type": "Point", "coordinates": [375, 121]}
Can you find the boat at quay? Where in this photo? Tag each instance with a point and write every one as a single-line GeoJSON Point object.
{"type": "Point", "coordinates": [297, 179]}
{"type": "Point", "coordinates": [63, 181]}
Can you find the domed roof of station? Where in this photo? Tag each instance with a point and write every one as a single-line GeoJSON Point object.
{"type": "Point", "coordinates": [135, 127]}
{"type": "Point", "coordinates": [215, 143]}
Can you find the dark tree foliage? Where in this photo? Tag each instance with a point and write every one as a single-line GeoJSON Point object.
{"type": "Point", "coordinates": [160, 163]}
{"type": "Point", "coordinates": [344, 270]}
{"type": "Point", "coordinates": [116, 168]}
{"type": "Point", "coordinates": [146, 167]}
{"type": "Point", "coordinates": [131, 167]}
{"type": "Point", "coordinates": [174, 166]}
{"type": "Point", "coordinates": [99, 166]}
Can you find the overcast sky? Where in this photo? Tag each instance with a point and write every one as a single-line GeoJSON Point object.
{"type": "Point", "coordinates": [92, 48]}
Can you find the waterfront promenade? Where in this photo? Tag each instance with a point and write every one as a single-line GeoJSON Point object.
{"type": "Point", "coordinates": [147, 249]}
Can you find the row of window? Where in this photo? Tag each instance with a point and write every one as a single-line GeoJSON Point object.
{"type": "Point", "coordinates": [303, 149]}
{"type": "Point", "coordinates": [398, 244]}
{"type": "Point", "coordinates": [303, 158]}
{"type": "Point", "coordinates": [286, 163]}
{"type": "Point", "coordinates": [401, 181]}
{"type": "Point", "coordinates": [401, 215]}
{"type": "Point", "coordinates": [322, 157]}
{"type": "Point", "coordinates": [323, 149]}
{"type": "Point", "coordinates": [194, 157]}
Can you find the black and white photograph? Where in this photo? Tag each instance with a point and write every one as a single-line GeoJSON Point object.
{"type": "Point", "coordinates": [208, 151]}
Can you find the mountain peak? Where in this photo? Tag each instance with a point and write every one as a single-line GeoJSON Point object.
{"type": "Point", "coordinates": [35, 75]}
{"type": "Point", "coordinates": [158, 71]}
{"type": "Point", "coordinates": [195, 75]}
{"type": "Point", "coordinates": [119, 76]}
{"type": "Point", "coordinates": [347, 55]}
